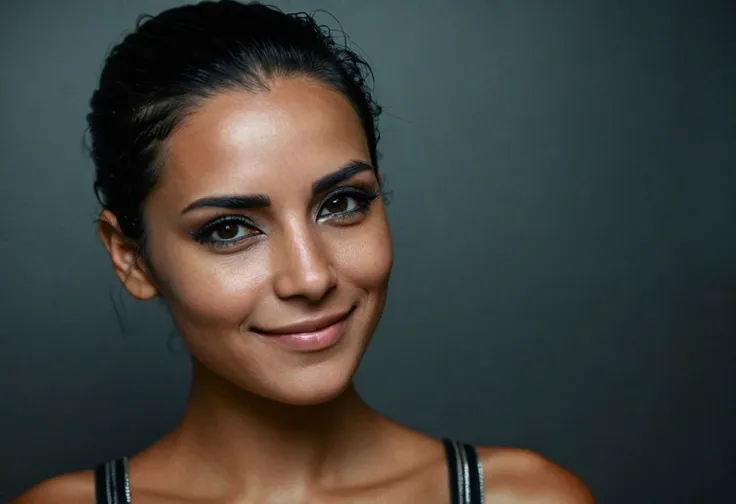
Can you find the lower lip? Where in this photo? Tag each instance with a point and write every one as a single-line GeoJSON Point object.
{"type": "Point", "coordinates": [311, 341]}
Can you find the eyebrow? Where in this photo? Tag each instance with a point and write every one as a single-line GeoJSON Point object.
{"type": "Point", "coordinates": [348, 171]}
{"type": "Point", "coordinates": [244, 202]}
{"type": "Point", "coordinates": [231, 202]}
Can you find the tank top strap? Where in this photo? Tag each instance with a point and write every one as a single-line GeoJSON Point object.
{"type": "Point", "coordinates": [465, 472]}
{"type": "Point", "coordinates": [112, 485]}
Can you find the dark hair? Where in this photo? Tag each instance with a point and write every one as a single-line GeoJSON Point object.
{"type": "Point", "coordinates": [164, 69]}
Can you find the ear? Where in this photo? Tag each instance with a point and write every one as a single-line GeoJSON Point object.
{"type": "Point", "coordinates": [129, 266]}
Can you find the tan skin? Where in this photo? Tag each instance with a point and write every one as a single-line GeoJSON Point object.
{"type": "Point", "coordinates": [267, 424]}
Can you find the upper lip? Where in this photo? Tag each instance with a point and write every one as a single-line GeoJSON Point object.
{"type": "Point", "coordinates": [307, 325]}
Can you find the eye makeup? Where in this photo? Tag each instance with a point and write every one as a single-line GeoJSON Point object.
{"type": "Point", "coordinates": [224, 226]}
{"type": "Point", "coordinates": [360, 195]}
{"type": "Point", "coordinates": [342, 206]}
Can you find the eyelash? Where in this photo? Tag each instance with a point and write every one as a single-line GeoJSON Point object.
{"type": "Point", "coordinates": [363, 197]}
{"type": "Point", "coordinates": [203, 235]}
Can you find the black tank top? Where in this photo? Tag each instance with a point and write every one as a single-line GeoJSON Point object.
{"type": "Point", "coordinates": [464, 468]}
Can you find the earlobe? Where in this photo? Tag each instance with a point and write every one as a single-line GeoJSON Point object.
{"type": "Point", "coordinates": [125, 258]}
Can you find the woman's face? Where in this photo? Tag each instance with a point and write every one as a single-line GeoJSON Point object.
{"type": "Point", "coordinates": [269, 239]}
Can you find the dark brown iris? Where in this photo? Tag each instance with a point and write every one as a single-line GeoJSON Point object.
{"type": "Point", "coordinates": [227, 231]}
{"type": "Point", "coordinates": [338, 204]}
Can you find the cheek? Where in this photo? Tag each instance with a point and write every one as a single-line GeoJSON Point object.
{"type": "Point", "coordinates": [366, 259]}
{"type": "Point", "coordinates": [204, 288]}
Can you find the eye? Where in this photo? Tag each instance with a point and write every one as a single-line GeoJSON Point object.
{"type": "Point", "coordinates": [348, 203]}
{"type": "Point", "coordinates": [225, 232]}
{"type": "Point", "coordinates": [338, 204]}
{"type": "Point", "coordinates": [229, 231]}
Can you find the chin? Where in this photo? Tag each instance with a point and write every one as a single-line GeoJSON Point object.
{"type": "Point", "coordinates": [313, 396]}
{"type": "Point", "coordinates": [312, 385]}
{"type": "Point", "coordinates": [286, 376]}
{"type": "Point", "coordinates": [308, 379]}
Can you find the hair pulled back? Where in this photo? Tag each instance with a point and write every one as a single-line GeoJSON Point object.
{"type": "Point", "coordinates": [163, 70]}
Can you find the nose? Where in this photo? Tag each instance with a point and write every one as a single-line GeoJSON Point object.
{"type": "Point", "coordinates": [304, 268]}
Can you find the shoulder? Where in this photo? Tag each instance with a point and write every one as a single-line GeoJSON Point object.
{"type": "Point", "coordinates": [523, 477]}
{"type": "Point", "coordinates": [75, 487]}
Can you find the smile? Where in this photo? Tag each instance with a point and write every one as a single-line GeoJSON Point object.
{"type": "Point", "coordinates": [309, 335]}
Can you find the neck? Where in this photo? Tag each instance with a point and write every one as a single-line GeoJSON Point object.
{"type": "Point", "coordinates": [246, 439]}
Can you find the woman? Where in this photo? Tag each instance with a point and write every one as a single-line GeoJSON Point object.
{"type": "Point", "coordinates": [235, 153]}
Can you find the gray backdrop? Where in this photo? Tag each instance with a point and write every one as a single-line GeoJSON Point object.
{"type": "Point", "coordinates": [564, 186]}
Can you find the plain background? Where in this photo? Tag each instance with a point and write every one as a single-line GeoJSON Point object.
{"type": "Point", "coordinates": [564, 186]}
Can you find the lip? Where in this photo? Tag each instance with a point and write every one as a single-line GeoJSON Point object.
{"type": "Point", "coordinates": [309, 335]}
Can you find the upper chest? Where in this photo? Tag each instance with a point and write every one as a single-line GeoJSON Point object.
{"type": "Point", "coordinates": [458, 479]}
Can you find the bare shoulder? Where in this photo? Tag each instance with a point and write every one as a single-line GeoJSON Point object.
{"type": "Point", "coordinates": [515, 476]}
{"type": "Point", "coordinates": [75, 487]}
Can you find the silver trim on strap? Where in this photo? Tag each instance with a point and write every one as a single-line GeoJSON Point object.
{"type": "Point", "coordinates": [459, 473]}
{"type": "Point", "coordinates": [466, 473]}
{"type": "Point", "coordinates": [481, 479]}
{"type": "Point", "coordinates": [114, 479]}
{"type": "Point", "coordinates": [127, 481]}
{"type": "Point", "coordinates": [463, 476]}
{"type": "Point", "coordinates": [107, 483]}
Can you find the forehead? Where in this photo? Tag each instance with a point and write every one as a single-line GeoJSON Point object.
{"type": "Point", "coordinates": [241, 141]}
